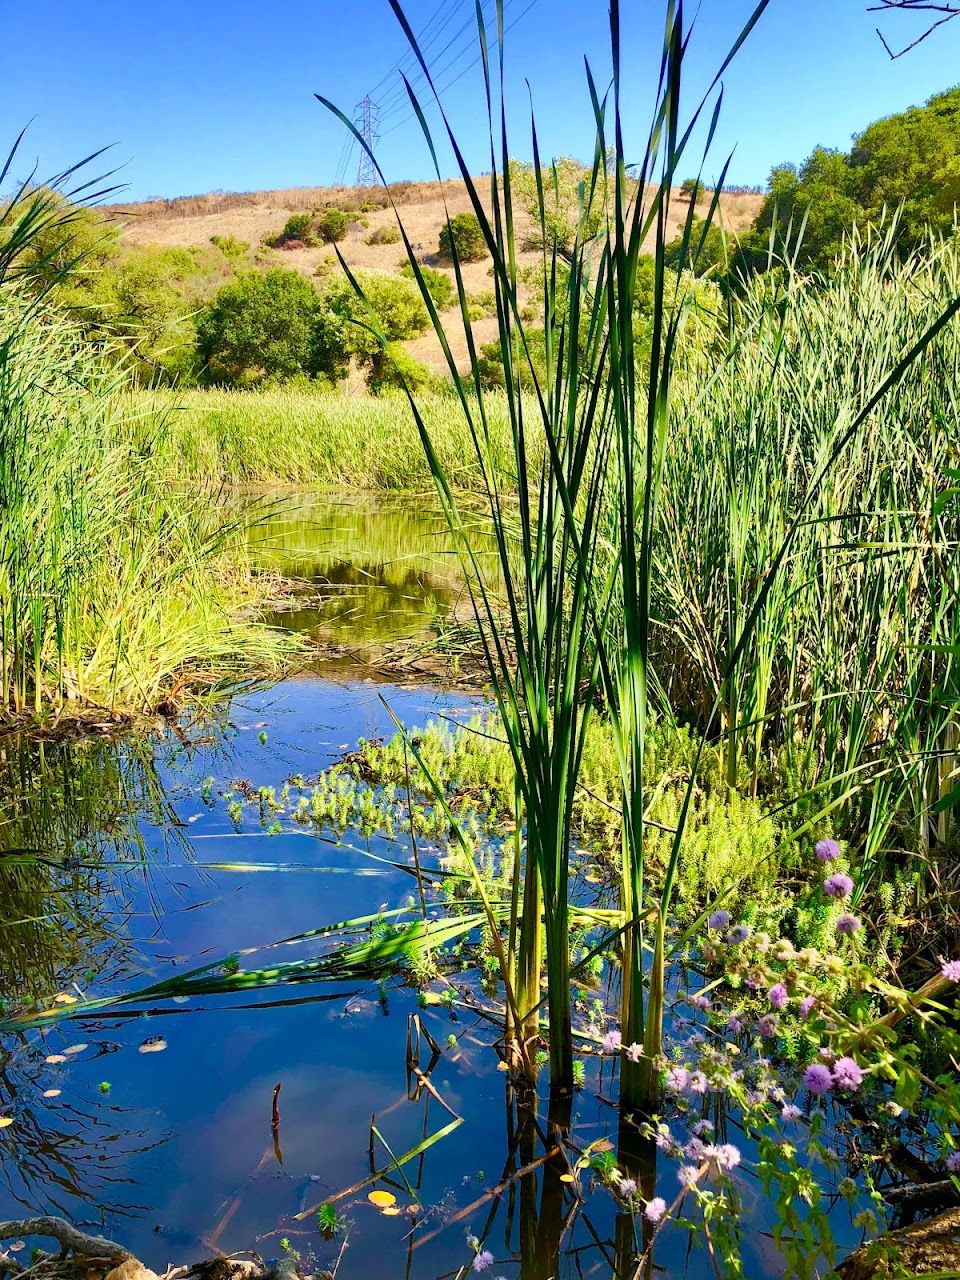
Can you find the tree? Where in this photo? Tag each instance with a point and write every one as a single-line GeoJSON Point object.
{"type": "Point", "coordinates": [70, 245]}
{"type": "Point", "coordinates": [333, 225]}
{"type": "Point", "coordinates": [907, 162]}
{"type": "Point", "coordinates": [567, 205]}
{"type": "Point", "coordinates": [463, 232]}
{"type": "Point", "coordinates": [259, 326]}
{"type": "Point", "coordinates": [346, 328]}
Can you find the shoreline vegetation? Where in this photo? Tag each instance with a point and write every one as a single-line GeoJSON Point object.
{"type": "Point", "coordinates": [709, 523]}
{"type": "Point", "coordinates": [119, 594]}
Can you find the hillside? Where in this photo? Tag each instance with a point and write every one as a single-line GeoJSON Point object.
{"type": "Point", "coordinates": [253, 216]}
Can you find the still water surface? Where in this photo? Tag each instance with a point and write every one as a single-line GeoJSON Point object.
{"type": "Point", "coordinates": [144, 875]}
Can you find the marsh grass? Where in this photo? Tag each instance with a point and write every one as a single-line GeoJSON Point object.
{"type": "Point", "coordinates": [291, 436]}
{"type": "Point", "coordinates": [116, 590]}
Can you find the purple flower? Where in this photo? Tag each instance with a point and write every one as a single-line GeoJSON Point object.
{"type": "Point", "coordinates": [848, 924]}
{"type": "Point", "coordinates": [817, 1078]}
{"type": "Point", "coordinates": [700, 1002]}
{"type": "Point", "coordinates": [953, 1161]}
{"type": "Point", "coordinates": [767, 1026]}
{"type": "Point", "coordinates": [718, 920]}
{"type": "Point", "coordinates": [847, 1075]}
{"type": "Point", "coordinates": [827, 850]}
{"type": "Point", "coordinates": [611, 1042]}
{"type": "Point", "coordinates": [739, 933]}
{"type": "Point", "coordinates": [677, 1078]}
{"type": "Point", "coordinates": [686, 1175]}
{"type": "Point", "coordinates": [702, 1127]}
{"type": "Point", "coordinates": [697, 1082]}
{"type": "Point", "coordinates": [807, 1005]}
{"type": "Point", "coordinates": [779, 996]}
{"type": "Point", "coordinates": [483, 1260]}
{"type": "Point", "coordinates": [789, 1113]}
{"type": "Point", "coordinates": [950, 970]}
{"type": "Point", "coordinates": [727, 1156]}
{"type": "Point", "coordinates": [734, 1025]}
{"type": "Point", "coordinates": [696, 1150]}
{"type": "Point", "coordinates": [655, 1209]}
{"type": "Point", "coordinates": [626, 1187]}
{"type": "Point", "coordinates": [838, 886]}
{"type": "Point", "coordinates": [634, 1052]}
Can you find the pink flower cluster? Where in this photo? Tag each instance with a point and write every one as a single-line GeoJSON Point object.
{"type": "Point", "coordinates": [846, 1075]}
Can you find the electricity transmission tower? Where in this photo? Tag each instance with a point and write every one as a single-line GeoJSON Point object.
{"type": "Point", "coordinates": [366, 118]}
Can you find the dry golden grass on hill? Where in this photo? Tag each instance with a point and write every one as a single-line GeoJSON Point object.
{"type": "Point", "coordinates": [424, 206]}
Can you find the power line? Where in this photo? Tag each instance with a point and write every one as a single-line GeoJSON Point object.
{"type": "Point", "coordinates": [442, 88]}
{"type": "Point", "coordinates": [399, 96]}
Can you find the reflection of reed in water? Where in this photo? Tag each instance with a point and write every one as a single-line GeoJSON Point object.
{"type": "Point", "coordinates": [68, 813]}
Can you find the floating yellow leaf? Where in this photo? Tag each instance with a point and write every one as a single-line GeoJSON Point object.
{"type": "Point", "coordinates": [54, 1058]}
{"type": "Point", "coordinates": [390, 1211]}
{"type": "Point", "coordinates": [51, 1093]}
{"type": "Point", "coordinates": [76, 1048]}
{"type": "Point", "coordinates": [4, 1121]}
{"type": "Point", "coordinates": [431, 997]}
{"type": "Point", "coordinates": [64, 998]}
{"type": "Point", "coordinates": [382, 1199]}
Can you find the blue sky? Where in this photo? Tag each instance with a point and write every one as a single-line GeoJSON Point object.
{"type": "Point", "coordinates": [201, 95]}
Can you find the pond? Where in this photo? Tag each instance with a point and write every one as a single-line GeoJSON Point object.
{"type": "Point", "coordinates": [161, 1123]}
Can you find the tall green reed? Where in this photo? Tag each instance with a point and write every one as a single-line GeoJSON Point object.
{"type": "Point", "coordinates": [115, 589]}
{"type": "Point", "coordinates": [578, 613]}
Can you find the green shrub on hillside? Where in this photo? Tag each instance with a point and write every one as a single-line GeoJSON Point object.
{"type": "Point", "coordinates": [463, 233]}
{"type": "Point", "coordinates": [439, 285]}
{"type": "Point", "coordinates": [393, 367]}
{"type": "Point", "coordinates": [333, 225]}
{"type": "Point", "coordinates": [298, 229]}
{"type": "Point", "coordinates": [347, 329]}
{"type": "Point", "coordinates": [231, 248]}
{"type": "Point", "coordinates": [259, 326]}
{"type": "Point", "coordinates": [384, 235]}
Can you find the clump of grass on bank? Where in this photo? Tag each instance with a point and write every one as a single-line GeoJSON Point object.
{"type": "Point", "coordinates": [313, 437]}
{"type": "Point", "coordinates": [116, 590]}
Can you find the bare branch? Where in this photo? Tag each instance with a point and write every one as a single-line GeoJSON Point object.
{"type": "Point", "coordinates": [67, 1236]}
{"type": "Point", "coordinates": [947, 12]}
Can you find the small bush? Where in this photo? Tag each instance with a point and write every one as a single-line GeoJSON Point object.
{"type": "Point", "coordinates": [393, 367]}
{"type": "Point", "coordinates": [230, 247]}
{"type": "Point", "coordinates": [482, 304]}
{"type": "Point", "coordinates": [384, 235]}
{"type": "Point", "coordinates": [463, 233]}
{"type": "Point", "coordinates": [297, 228]}
{"type": "Point", "coordinates": [333, 225]}
{"type": "Point", "coordinates": [439, 285]}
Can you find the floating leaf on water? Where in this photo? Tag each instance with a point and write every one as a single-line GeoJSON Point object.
{"type": "Point", "coordinates": [5, 1121]}
{"type": "Point", "coordinates": [64, 997]}
{"type": "Point", "coordinates": [52, 1093]}
{"type": "Point", "coordinates": [390, 1211]}
{"type": "Point", "coordinates": [76, 1048]}
{"type": "Point", "coordinates": [54, 1058]}
{"type": "Point", "coordinates": [155, 1044]}
{"type": "Point", "coordinates": [382, 1199]}
{"type": "Point", "coordinates": [431, 997]}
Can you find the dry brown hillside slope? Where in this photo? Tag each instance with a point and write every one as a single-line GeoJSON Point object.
{"type": "Point", "coordinates": [424, 206]}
